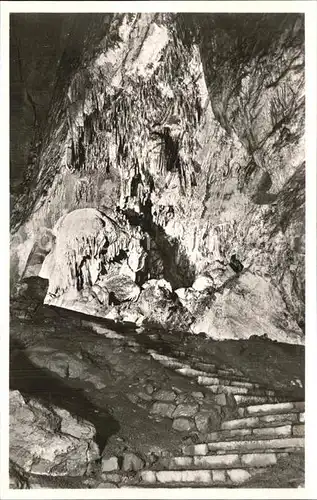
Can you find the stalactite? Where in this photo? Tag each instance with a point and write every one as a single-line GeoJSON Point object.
{"type": "Point", "coordinates": [129, 117]}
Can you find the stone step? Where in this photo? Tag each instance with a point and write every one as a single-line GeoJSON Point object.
{"type": "Point", "coordinates": [194, 478]}
{"type": "Point", "coordinates": [173, 364]}
{"type": "Point", "coordinates": [281, 451]}
{"type": "Point", "coordinates": [167, 361]}
{"type": "Point", "coordinates": [187, 371]}
{"type": "Point", "coordinates": [223, 461]}
{"type": "Point", "coordinates": [272, 408]}
{"type": "Point", "coordinates": [242, 383]}
{"type": "Point", "coordinates": [251, 444]}
{"type": "Point", "coordinates": [263, 421]}
{"type": "Point", "coordinates": [243, 445]}
{"type": "Point", "coordinates": [230, 434]}
{"type": "Point", "coordinates": [231, 372]}
{"type": "Point", "coordinates": [241, 435]}
{"type": "Point", "coordinates": [209, 381]}
{"type": "Point", "coordinates": [259, 432]}
{"type": "Point", "coordinates": [200, 369]}
{"type": "Point", "coordinates": [204, 367]}
{"type": "Point", "coordinates": [245, 400]}
{"type": "Point", "coordinates": [228, 389]}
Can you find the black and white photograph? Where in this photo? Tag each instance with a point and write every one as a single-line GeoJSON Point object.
{"type": "Point", "coordinates": [157, 191]}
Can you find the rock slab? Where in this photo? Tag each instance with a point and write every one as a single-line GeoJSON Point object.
{"type": "Point", "coordinates": [45, 441]}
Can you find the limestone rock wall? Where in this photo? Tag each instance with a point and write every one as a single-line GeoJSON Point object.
{"type": "Point", "coordinates": [196, 135]}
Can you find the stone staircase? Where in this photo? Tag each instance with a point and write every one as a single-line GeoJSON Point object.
{"type": "Point", "coordinates": [266, 429]}
{"type": "Point", "coordinates": [222, 381]}
{"type": "Point", "coordinates": [242, 448]}
{"type": "Point", "coordinates": [262, 427]}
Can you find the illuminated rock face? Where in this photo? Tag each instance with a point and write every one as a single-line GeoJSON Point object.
{"type": "Point", "coordinates": [75, 257]}
{"type": "Point", "coordinates": [199, 143]}
{"type": "Point", "coordinates": [250, 305]}
{"type": "Point", "coordinates": [90, 251]}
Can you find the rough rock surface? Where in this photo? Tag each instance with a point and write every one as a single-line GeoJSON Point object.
{"type": "Point", "coordinates": [69, 365]}
{"type": "Point", "coordinates": [160, 307]}
{"type": "Point", "coordinates": [49, 441]}
{"type": "Point", "coordinates": [195, 133]}
{"type": "Point", "coordinates": [207, 421]}
{"type": "Point", "coordinates": [131, 462]}
{"type": "Point", "coordinates": [250, 306]}
{"type": "Point", "coordinates": [17, 479]}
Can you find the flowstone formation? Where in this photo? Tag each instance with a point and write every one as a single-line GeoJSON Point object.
{"type": "Point", "coordinates": [195, 137]}
{"type": "Point", "coordinates": [93, 256]}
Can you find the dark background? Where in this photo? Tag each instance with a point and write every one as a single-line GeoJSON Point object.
{"type": "Point", "coordinates": [37, 42]}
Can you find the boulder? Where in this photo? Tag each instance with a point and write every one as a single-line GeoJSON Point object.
{"type": "Point", "coordinates": [78, 428]}
{"type": "Point", "coordinates": [163, 395]}
{"type": "Point", "coordinates": [106, 484]}
{"type": "Point", "coordinates": [109, 464]}
{"type": "Point", "coordinates": [207, 421]}
{"type": "Point", "coordinates": [158, 285]}
{"type": "Point", "coordinates": [163, 409]}
{"type": "Point", "coordinates": [112, 477]}
{"type": "Point", "coordinates": [190, 298]}
{"type": "Point", "coordinates": [129, 313]}
{"type": "Point", "coordinates": [149, 388]}
{"type": "Point", "coordinates": [131, 462]}
{"type": "Point", "coordinates": [183, 424]}
{"type": "Point", "coordinates": [121, 287]}
{"type": "Point", "coordinates": [185, 410]}
{"type": "Point", "coordinates": [199, 396]}
{"type": "Point", "coordinates": [203, 283]}
{"type": "Point", "coordinates": [160, 307]}
{"type": "Point", "coordinates": [251, 306]}
{"type": "Point", "coordinates": [39, 445]}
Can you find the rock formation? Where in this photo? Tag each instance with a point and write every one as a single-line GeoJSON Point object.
{"type": "Point", "coordinates": [47, 441]}
{"type": "Point", "coordinates": [174, 152]}
{"type": "Point", "coordinates": [86, 245]}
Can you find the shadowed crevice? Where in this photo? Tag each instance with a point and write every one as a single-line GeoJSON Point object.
{"type": "Point", "coordinates": [38, 383]}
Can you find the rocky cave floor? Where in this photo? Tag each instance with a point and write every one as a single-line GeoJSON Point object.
{"type": "Point", "coordinates": [145, 396]}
